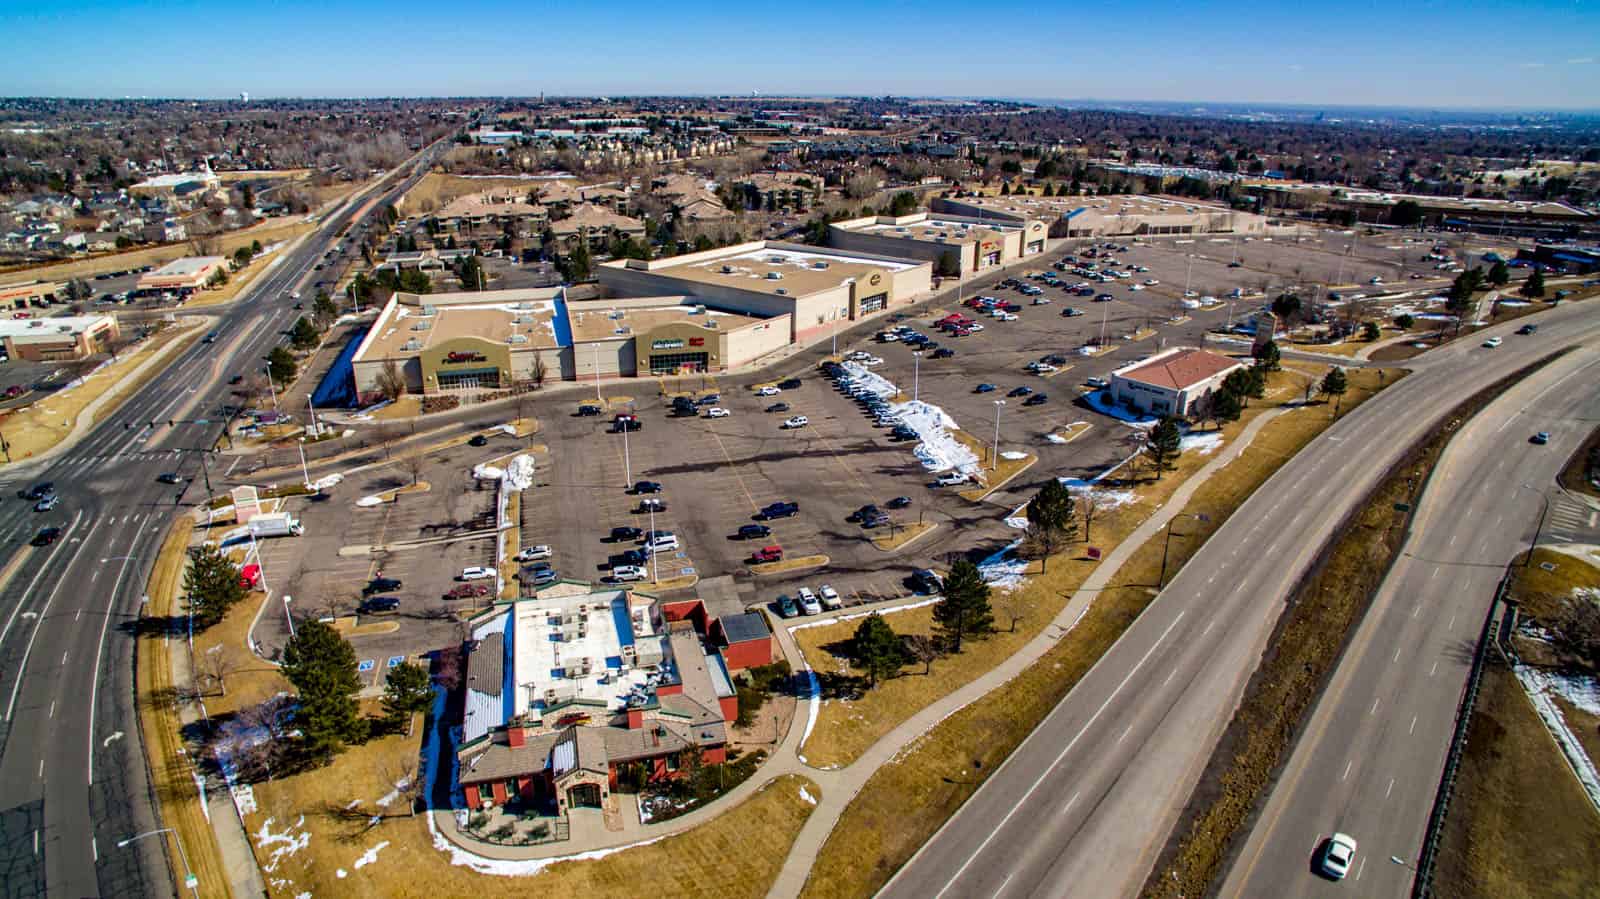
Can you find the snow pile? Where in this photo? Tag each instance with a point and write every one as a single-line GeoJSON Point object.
{"type": "Point", "coordinates": [804, 794]}
{"type": "Point", "coordinates": [327, 482]}
{"type": "Point", "coordinates": [244, 798]}
{"type": "Point", "coordinates": [341, 874]}
{"type": "Point", "coordinates": [870, 381]}
{"type": "Point", "coordinates": [939, 450]}
{"type": "Point", "coordinates": [370, 856]}
{"type": "Point", "coordinates": [1582, 690]}
{"type": "Point", "coordinates": [367, 502]}
{"type": "Point", "coordinates": [291, 843]}
{"type": "Point", "coordinates": [1013, 455]}
{"type": "Point", "coordinates": [393, 794]}
{"type": "Point", "coordinates": [1056, 438]}
{"type": "Point", "coordinates": [487, 473]}
{"type": "Point", "coordinates": [1003, 570]}
{"type": "Point", "coordinates": [1100, 401]}
{"type": "Point", "coordinates": [1204, 444]}
{"type": "Point", "coordinates": [1540, 687]}
{"type": "Point", "coordinates": [509, 430]}
{"type": "Point", "coordinates": [519, 474]}
{"type": "Point", "coordinates": [1104, 499]}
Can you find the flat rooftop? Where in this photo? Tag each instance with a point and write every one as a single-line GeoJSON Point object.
{"type": "Point", "coordinates": [593, 320]}
{"type": "Point", "coordinates": [797, 273]}
{"type": "Point", "coordinates": [404, 329]}
{"type": "Point", "coordinates": [1114, 204]}
{"type": "Point", "coordinates": [938, 230]}
{"type": "Point", "coordinates": [51, 327]}
{"type": "Point", "coordinates": [585, 647]}
{"type": "Point", "coordinates": [188, 265]}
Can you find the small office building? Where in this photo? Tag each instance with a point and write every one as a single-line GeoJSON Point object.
{"type": "Point", "coordinates": [1171, 382]}
{"type": "Point", "coordinates": [182, 276]}
{"type": "Point", "coordinates": [60, 339]}
{"type": "Point", "coordinates": [816, 288]}
{"type": "Point", "coordinates": [954, 244]}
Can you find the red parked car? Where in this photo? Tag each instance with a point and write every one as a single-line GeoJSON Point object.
{"type": "Point", "coordinates": [772, 553]}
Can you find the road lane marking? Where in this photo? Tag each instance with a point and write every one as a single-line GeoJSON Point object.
{"type": "Point", "coordinates": [1209, 627]}
{"type": "Point", "coordinates": [1061, 755]}
{"type": "Point", "coordinates": [1397, 655]}
{"type": "Point", "coordinates": [1170, 675]}
{"type": "Point", "coordinates": [1347, 766]}
{"type": "Point", "coordinates": [52, 713]}
{"type": "Point", "coordinates": [1413, 725]}
{"type": "Point", "coordinates": [1390, 790]}
{"type": "Point", "coordinates": [1125, 734]}
{"type": "Point", "coordinates": [38, 624]}
{"type": "Point", "coordinates": [1435, 573]}
{"type": "Point", "coordinates": [1374, 705]}
{"type": "Point", "coordinates": [1433, 669]}
{"type": "Point", "coordinates": [94, 682]}
{"type": "Point", "coordinates": [1361, 869]}
{"type": "Point", "coordinates": [1452, 625]}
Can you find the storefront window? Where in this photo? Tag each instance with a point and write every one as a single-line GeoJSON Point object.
{"type": "Point", "coordinates": [874, 303]}
{"type": "Point", "coordinates": [670, 363]}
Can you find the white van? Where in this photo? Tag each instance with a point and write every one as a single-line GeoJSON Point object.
{"type": "Point", "coordinates": [662, 543]}
{"type": "Point", "coordinates": [476, 573]}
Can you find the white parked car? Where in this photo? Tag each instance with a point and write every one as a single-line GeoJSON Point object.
{"type": "Point", "coordinates": [808, 601]}
{"type": "Point", "coordinates": [1043, 368]}
{"type": "Point", "coordinates": [1493, 342]}
{"type": "Point", "coordinates": [1136, 287]}
{"type": "Point", "coordinates": [768, 390]}
{"type": "Point", "coordinates": [950, 479]}
{"type": "Point", "coordinates": [661, 544]}
{"type": "Point", "coordinates": [1151, 282]}
{"type": "Point", "coordinates": [530, 553]}
{"type": "Point", "coordinates": [716, 412]}
{"type": "Point", "coordinates": [872, 361]}
{"type": "Point", "coordinates": [628, 573]}
{"type": "Point", "coordinates": [830, 597]}
{"type": "Point", "coordinates": [798, 421]}
{"type": "Point", "coordinates": [476, 573]}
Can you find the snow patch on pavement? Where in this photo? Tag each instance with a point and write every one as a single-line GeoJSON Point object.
{"type": "Point", "coordinates": [1013, 455]}
{"type": "Point", "coordinates": [519, 474]}
{"type": "Point", "coordinates": [1056, 438]}
{"type": "Point", "coordinates": [939, 449]}
{"type": "Point", "coordinates": [1100, 401]}
{"type": "Point", "coordinates": [487, 473]}
{"type": "Point", "coordinates": [367, 502]}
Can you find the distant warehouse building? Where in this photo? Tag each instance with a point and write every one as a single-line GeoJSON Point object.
{"type": "Point", "coordinates": [58, 339]}
{"type": "Point", "coordinates": [182, 276]}
{"type": "Point", "coordinates": [818, 289]}
{"type": "Point", "coordinates": [1110, 216]}
{"type": "Point", "coordinates": [1579, 260]}
{"type": "Point", "coordinates": [955, 244]}
{"type": "Point", "coordinates": [494, 340]}
{"type": "Point", "coordinates": [1171, 382]}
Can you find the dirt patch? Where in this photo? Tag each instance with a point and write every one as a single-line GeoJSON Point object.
{"type": "Point", "coordinates": [795, 564]}
{"type": "Point", "coordinates": [1304, 650]}
{"type": "Point", "coordinates": [1520, 826]}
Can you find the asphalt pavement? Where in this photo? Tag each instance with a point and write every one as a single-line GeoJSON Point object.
{"type": "Point", "coordinates": [1085, 804]}
{"type": "Point", "coordinates": [1372, 754]}
{"type": "Point", "coordinates": [72, 771]}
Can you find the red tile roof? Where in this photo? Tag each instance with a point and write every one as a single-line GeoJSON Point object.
{"type": "Point", "coordinates": [1181, 369]}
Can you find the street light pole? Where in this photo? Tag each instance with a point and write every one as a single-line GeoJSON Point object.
{"type": "Point", "coordinates": [189, 879]}
{"type": "Point", "coordinates": [303, 470]}
{"type": "Point", "coordinates": [627, 459]}
{"type": "Point", "coordinates": [315, 431]}
{"type": "Point", "coordinates": [270, 390]}
{"type": "Point", "coordinates": [916, 376]}
{"type": "Point", "coordinates": [994, 459]}
{"type": "Point", "coordinates": [1537, 528]}
{"type": "Point", "coordinates": [287, 616]}
{"type": "Point", "coordinates": [597, 397]}
{"type": "Point", "coordinates": [1167, 543]}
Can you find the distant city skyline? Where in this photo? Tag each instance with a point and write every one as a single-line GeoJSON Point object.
{"type": "Point", "coordinates": [1480, 55]}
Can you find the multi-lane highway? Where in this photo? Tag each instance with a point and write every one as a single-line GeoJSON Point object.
{"type": "Point", "coordinates": [72, 771]}
{"type": "Point", "coordinates": [1372, 754]}
{"type": "Point", "coordinates": [1083, 807]}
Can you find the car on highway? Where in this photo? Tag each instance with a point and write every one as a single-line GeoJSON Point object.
{"type": "Point", "coordinates": [537, 551]}
{"type": "Point", "coordinates": [37, 491]}
{"type": "Point", "coordinates": [808, 601]}
{"type": "Point", "coordinates": [798, 421]}
{"type": "Point", "coordinates": [1338, 853]}
{"type": "Point", "coordinates": [787, 607]}
{"type": "Point", "coordinates": [476, 573]}
{"type": "Point", "coordinates": [1540, 438]}
{"type": "Point", "coordinates": [717, 412]}
{"type": "Point", "coordinates": [1528, 329]}
{"type": "Point", "coordinates": [768, 390]}
{"type": "Point", "coordinates": [1493, 342]}
{"type": "Point", "coordinates": [47, 503]}
{"type": "Point", "coordinates": [46, 536]}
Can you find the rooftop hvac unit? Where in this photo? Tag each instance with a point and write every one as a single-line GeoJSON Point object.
{"type": "Point", "coordinates": [776, 259]}
{"type": "Point", "coordinates": [727, 269]}
{"type": "Point", "coordinates": [774, 276]}
{"type": "Point", "coordinates": [412, 345]}
{"type": "Point", "coordinates": [521, 319]}
{"type": "Point", "coordinates": [429, 310]}
{"type": "Point", "coordinates": [781, 292]}
{"type": "Point", "coordinates": [517, 338]}
{"type": "Point", "coordinates": [421, 326]}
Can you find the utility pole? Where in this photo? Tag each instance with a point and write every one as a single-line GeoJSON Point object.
{"type": "Point", "coordinates": [994, 459]}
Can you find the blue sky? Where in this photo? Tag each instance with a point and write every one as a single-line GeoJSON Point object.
{"type": "Point", "coordinates": [1467, 54]}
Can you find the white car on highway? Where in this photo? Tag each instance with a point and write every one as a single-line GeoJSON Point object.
{"type": "Point", "coordinates": [1338, 854]}
{"type": "Point", "coordinates": [1493, 342]}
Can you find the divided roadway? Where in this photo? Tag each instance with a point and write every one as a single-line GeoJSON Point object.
{"type": "Point", "coordinates": [72, 770]}
{"type": "Point", "coordinates": [1085, 804]}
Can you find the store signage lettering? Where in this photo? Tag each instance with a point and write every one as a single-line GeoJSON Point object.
{"type": "Point", "coordinates": [697, 341]}
{"type": "Point", "coordinates": [669, 344]}
{"type": "Point", "coordinates": [457, 358]}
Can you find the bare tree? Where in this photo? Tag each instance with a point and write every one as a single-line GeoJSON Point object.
{"type": "Point", "coordinates": [540, 371]}
{"type": "Point", "coordinates": [414, 465]}
{"type": "Point", "coordinates": [1039, 542]}
{"type": "Point", "coordinates": [215, 664]}
{"type": "Point", "coordinates": [923, 648]}
{"type": "Point", "coordinates": [1089, 503]}
{"type": "Point", "coordinates": [385, 435]}
{"type": "Point", "coordinates": [1011, 606]}
{"type": "Point", "coordinates": [391, 382]}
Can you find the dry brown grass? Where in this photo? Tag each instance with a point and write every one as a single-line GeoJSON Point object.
{"type": "Point", "coordinates": [1541, 592]}
{"type": "Point", "coordinates": [907, 800]}
{"type": "Point", "coordinates": [1519, 826]}
{"type": "Point", "coordinates": [1003, 472]}
{"type": "Point", "coordinates": [239, 280]}
{"type": "Point", "coordinates": [1573, 475]}
{"type": "Point", "coordinates": [792, 564]}
{"type": "Point", "coordinates": [437, 189]}
{"type": "Point", "coordinates": [252, 680]}
{"type": "Point", "coordinates": [737, 854]}
{"type": "Point", "coordinates": [170, 770]}
{"type": "Point", "coordinates": [42, 425]}
{"type": "Point", "coordinates": [900, 535]}
{"type": "Point", "coordinates": [266, 232]}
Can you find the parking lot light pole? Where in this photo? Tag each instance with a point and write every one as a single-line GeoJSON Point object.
{"type": "Point", "coordinates": [270, 390]}
{"type": "Point", "coordinates": [655, 567]}
{"type": "Point", "coordinates": [303, 470]}
{"type": "Point", "coordinates": [315, 431]}
{"type": "Point", "coordinates": [597, 375]}
{"type": "Point", "coordinates": [916, 376]}
{"type": "Point", "coordinates": [994, 461]}
{"type": "Point", "coordinates": [189, 880]}
{"type": "Point", "coordinates": [627, 459]}
{"type": "Point", "coordinates": [287, 616]}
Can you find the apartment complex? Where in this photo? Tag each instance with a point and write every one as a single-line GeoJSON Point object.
{"type": "Point", "coordinates": [955, 245]}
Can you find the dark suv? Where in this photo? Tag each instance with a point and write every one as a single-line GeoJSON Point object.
{"type": "Point", "coordinates": [375, 604]}
{"type": "Point", "coordinates": [924, 580]}
{"type": "Point", "coordinates": [778, 510]}
{"type": "Point", "coordinates": [381, 585]}
{"type": "Point", "coordinates": [754, 531]}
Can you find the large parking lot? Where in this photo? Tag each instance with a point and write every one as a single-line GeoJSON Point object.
{"type": "Point", "coordinates": [717, 473]}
